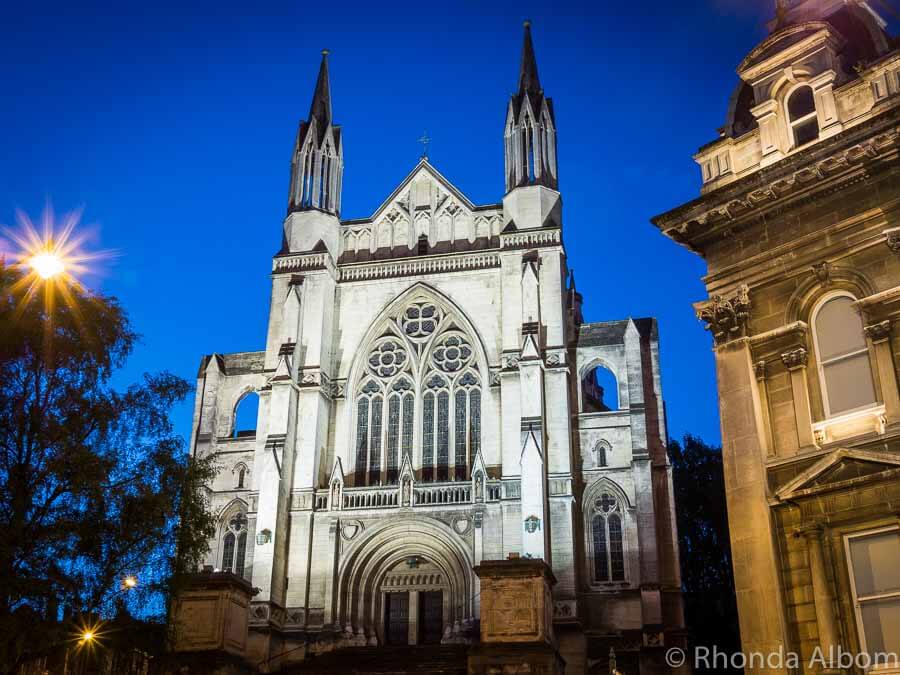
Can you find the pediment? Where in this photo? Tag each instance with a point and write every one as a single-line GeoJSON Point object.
{"type": "Point", "coordinates": [838, 469]}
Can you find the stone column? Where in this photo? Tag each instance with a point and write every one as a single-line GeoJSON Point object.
{"type": "Point", "coordinates": [757, 575]}
{"type": "Point", "coordinates": [880, 335]}
{"type": "Point", "coordinates": [822, 596]}
{"type": "Point", "coordinates": [760, 369]}
{"type": "Point", "coordinates": [413, 634]}
{"type": "Point", "coordinates": [795, 360]}
{"type": "Point", "coordinates": [516, 619]}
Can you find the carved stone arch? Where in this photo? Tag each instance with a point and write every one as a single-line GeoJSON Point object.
{"type": "Point", "coordinates": [601, 361]}
{"type": "Point", "coordinates": [377, 550]}
{"type": "Point", "coordinates": [808, 292]}
{"type": "Point", "coordinates": [235, 471]}
{"type": "Point", "coordinates": [601, 446]}
{"type": "Point", "coordinates": [627, 521]}
{"type": "Point", "coordinates": [598, 487]}
{"type": "Point", "coordinates": [222, 515]}
{"type": "Point", "coordinates": [412, 294]}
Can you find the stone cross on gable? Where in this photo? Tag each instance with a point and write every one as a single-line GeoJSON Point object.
{"type": "Point", "coordinates": [424, 140]}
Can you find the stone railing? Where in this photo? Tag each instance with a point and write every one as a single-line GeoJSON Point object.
{"type": "Point", "coordinates": [424, 495]}
{"type": "Point", "coordinates": [443, 493]}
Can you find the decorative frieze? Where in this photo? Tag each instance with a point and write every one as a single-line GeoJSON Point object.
{"type": "Point", "coordinates": [795, 358]}
{"type": "Point", "coordinates": [417, 266]}
{"type": "Point", "coordinates": [878, 332]}
{"type": "Point", "coordinates": [726, 318]}
{"type": "Point", "coordinates": [301, 262]}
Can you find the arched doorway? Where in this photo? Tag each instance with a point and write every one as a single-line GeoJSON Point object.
{"type": "Point", "coordinates": [413, 594]}
{"type": "Point", "coordinates": [408, 578]}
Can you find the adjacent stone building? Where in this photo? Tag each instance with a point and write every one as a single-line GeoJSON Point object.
{"type": "Point", "coordinates": [429, 398]}
{"type": "Point", "coordinates": [798, 221]}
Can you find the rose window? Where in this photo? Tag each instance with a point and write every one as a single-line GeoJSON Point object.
{"type": "Point", "coordinates": [387, 359]}
{"type": "Point", "coordinates": [420, 321]}
{"type": "Point", "coordinates": [451, 354]}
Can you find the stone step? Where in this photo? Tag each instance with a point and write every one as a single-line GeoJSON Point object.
{"type": "Point", "coordinates": [422, 660]}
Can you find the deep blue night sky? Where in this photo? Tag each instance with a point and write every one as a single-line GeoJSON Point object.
{"type": "Point", "coordinates": [172, 126]}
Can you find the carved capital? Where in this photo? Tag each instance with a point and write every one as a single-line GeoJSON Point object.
{"type": "Point", "coordinates": [796, 358]}
{"type": "Point", "coordinates": [760, 369]}
{"type": "Point", "coordinates": [892, 239]}
{"type": "Point", "coordinates": [726, 318]}
{"type": "Point", "coordinates": [879, 332]}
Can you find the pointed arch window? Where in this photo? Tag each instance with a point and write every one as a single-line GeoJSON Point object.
{"type": "Point", "coordinates": [448, 398]}
{"type": "Point", "coordinates": [607, 545]}
{"type": "Point", "coordinates": [842, 355]}
{"type": "Point", "coordinates": [234, 544]}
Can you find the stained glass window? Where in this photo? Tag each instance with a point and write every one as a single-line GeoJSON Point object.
{"type": "Point", "coordinates": [616, 553]}
{"type": "Point", "coordinates": [362, 437]}
{"type": "Point", "coordinates": [375, 442]}
{"type": "Point", "coordinates": [459, 434]}
{"type": "Point", "coordinates": [241, 554]}
{"type": "Point", "coordinates": [393, 437]}
{"type": "Point", "coordinates": [474, 422]}
{"type": "Point", "coordinates": [409, 409]}
{"type": "Point", "coordinates": [428, 435]}
{"type": "Point", "coordinates": [443, 434]}
{"type": "Point", "coordinates": [601, 562]}
{"type": "Point", "coordinates": [228, 551]}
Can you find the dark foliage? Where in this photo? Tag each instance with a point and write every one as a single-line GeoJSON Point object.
{"type": "Point", "coordinates": [94, 482]}
{"type": "Point", "coordinates": [707, 576]}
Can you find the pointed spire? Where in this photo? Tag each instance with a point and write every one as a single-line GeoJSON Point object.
{"type": "Point", "coordinates": [320, 109]}
{"type": "Point", "coordinates": [528, 71]}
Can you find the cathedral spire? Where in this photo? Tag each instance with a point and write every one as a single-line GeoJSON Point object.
{"type": "Point", "coordinates": [320, 108]}
{"type": "Point", "coordinates": [530, 134]}
{"type": "Point", "coordinates": [317, 166]}
{"type": "Point", "coordinates": [528, 71]}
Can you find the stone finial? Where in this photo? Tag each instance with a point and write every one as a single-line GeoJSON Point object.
{"type": "Point", "coordinates": [726, 318]}
{"type": "Point", "coordinates": [879, 332]}
{"type": "Point", "coordinates": [795, 358]}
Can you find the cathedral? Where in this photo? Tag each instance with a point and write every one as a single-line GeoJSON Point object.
{"type": "Point", "coordinates": [429, 397]}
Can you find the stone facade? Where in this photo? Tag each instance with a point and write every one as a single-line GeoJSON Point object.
{"type": "Point", "coordinates": [428, 400]}
{"type": "Point", "coordinates": [797, 220]}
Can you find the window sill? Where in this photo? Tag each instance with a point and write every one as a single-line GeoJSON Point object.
{"type": "Point", "coordinates": [848, 425]}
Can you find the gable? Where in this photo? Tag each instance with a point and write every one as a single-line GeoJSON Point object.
{"type": "Point", "coordinates": [424, 204]}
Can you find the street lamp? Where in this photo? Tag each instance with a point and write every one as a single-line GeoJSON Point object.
{"type": "Point", "coordinates": [47, 265]}
{"type": "Point", "coordinates": [129, 582]}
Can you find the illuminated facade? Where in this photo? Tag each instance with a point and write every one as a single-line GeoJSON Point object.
{"type": "Point", "coordinates": [429, 397]}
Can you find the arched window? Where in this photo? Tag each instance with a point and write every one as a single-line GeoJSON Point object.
{"type": "Point", "coordinates": [599, 390]}
{"type": "Point", "coordinates": [234, 544]}
{"type": "Point", "coordinates": [601, 451]}
{"type": "Point", "coordinates": [433, 360]}
{"type": "Point", "coordinates": [801, 107]}
{"type": "Point", "coordinates": [843, 357]}
{"type": "Point", "coordinates": [245, 414]}
{"type": "Point", "coordinates": [607, 540]}
{"type": "Point", "coordinates": [241, 471]}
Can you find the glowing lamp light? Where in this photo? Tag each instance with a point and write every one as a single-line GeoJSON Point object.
{"type": "Point", "coordinates": [47, 265]}
{"type": "Point", "coordinates": [87, 636]}
{"type": "Point", "coordinates": [129, 582]}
